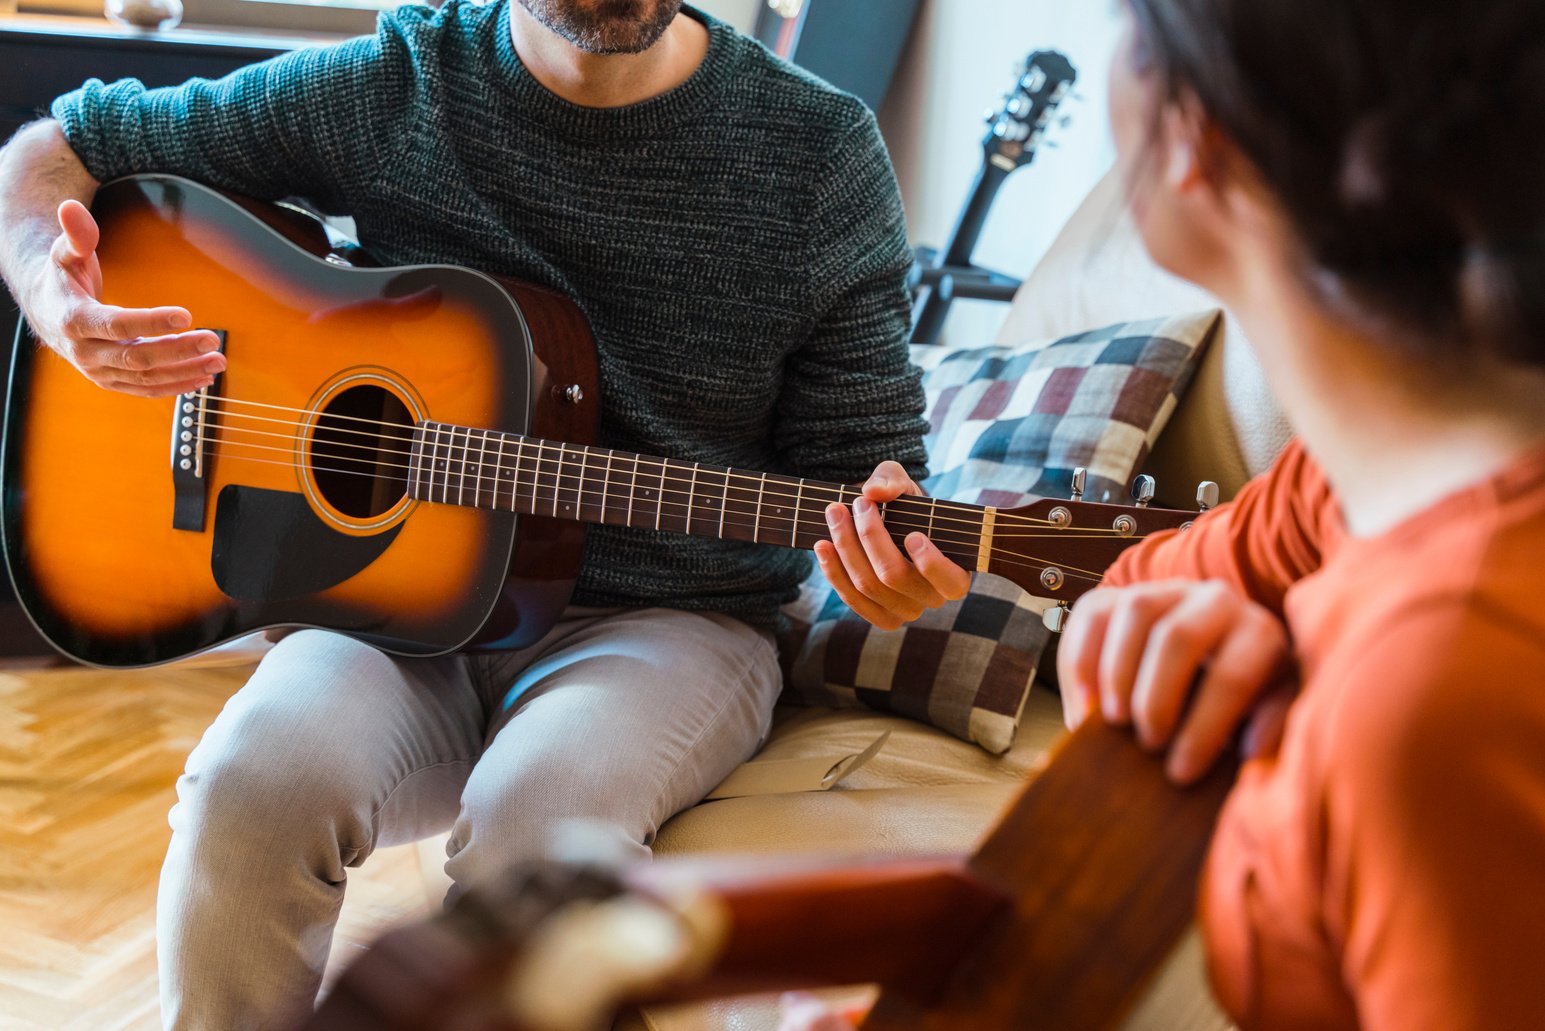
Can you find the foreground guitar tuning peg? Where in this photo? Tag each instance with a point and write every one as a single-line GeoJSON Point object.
{"type": "Point", "coordinates": [1056, 617]}
{"type": "Point", "coordinates": [1080, 478]}
{"type": "Point", "coordinates": [1206, 495]}
{"type": "Point", "coordinates": [1142, 490]}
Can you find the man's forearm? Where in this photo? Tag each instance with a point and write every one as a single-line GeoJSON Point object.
{"type": "Point", "coordinates": [38, 172]}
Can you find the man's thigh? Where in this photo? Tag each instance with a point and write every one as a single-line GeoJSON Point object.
{"type": "Point", "coordinates": [624, 720]}
{"type": "Point", "coordinates": [376, 743]}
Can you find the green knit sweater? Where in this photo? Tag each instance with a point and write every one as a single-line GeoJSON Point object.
{"type": "Point", "coordinates": [737, 243]}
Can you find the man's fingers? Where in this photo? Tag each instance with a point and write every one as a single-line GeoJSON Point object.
{"type": "Point", "coordinates": [859, 571]}
{"type": "Point", "coordinates": [78, 231]}
{"type": "Point", "coordinates": [888, 482]}
{"type": "Point", "coordinates": [951, 581]}
{"type": "Point", "coordinates": [92, 321]}
{"type": "Point", "coordinates": [837, 576]}
{"type": "Point", "coordinates": [892, 568]}
{"type": "Point", "coordinates": [161, 390]}
{"type": "Point", "coordinates": [154, 361]}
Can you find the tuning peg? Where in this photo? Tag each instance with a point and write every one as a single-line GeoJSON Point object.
{"type": "Point", "coordinates": [1055, 618]}
{"type": "Point", "coordinates": [1080, 478]}
{"type": "Point", "coordinates": [1206, 495]}
{"type": "Point", "coordinates": [1142, 490]}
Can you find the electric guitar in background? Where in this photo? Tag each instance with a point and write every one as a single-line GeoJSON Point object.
{"type": "Point", "coordinates": [1015, 133]}
{"type": "Point", "coordinates": [401, 454]}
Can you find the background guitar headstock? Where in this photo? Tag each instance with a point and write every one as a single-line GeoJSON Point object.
{"type": "Point", "coordinates": [1019, 125]}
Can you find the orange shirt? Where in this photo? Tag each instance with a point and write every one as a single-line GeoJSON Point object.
{"type": "Point", "coordinates": [1386, 868]}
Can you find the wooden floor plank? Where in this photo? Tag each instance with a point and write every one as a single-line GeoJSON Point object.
{"type": "Point", "coordinates": [88, 762]}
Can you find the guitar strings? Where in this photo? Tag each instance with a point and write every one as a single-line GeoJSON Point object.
{"type": "Point", "coordinates": [460, 435]}
{"type": "Point", "coordinates": [465, 435]}
{"type": "Point", "coordinates": [896, 520]}
{"type": "Point", "coordinates": [539, 470]}
{"type": "Point", "coordinates": [1005, 557]}
{"type": "Point", "coordinates": [684, 509]}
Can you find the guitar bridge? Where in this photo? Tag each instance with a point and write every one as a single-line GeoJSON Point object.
{"type": "Point", "coordinates": [190, 452]}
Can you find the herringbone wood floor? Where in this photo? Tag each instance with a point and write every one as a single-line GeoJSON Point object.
{"type": "Point", "coordinates": [88, 760]}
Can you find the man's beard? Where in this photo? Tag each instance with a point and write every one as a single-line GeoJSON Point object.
{"type": "Point", "coordinates": [606, 26]}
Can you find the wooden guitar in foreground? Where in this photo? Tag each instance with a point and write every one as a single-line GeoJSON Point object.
{"type": "Point", "coordinates": [401, 454]}
{"type": "Point", "coordinates": [1059, 921]}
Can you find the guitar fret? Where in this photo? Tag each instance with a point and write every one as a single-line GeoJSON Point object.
{"type": "Point", "coordinates": [445, 463]}
{"type": "Point", "coordinates": [659, 499]}
{"type": "Point", "coordinates": [632, 491]}
{"type": "Point", "coordinates": [579, 481]}
{"type": "Point", "coordinates": [482, 465]}
{"type": "Point", "coordinates": [724, 504]}
{"type": "Point", "coordinates": [415, 462]}
{"type": "Point", "coordinates": [761, 496]}
{"type": "Point", "coordinates": [799, 511]}
{"type": "Point", "coordinates": [691, 496]}
{"type": "Point", "coordinates": [499, 469]}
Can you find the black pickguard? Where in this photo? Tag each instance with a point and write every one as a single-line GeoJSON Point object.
{"type": "Point", "coordinates": [252, 525]}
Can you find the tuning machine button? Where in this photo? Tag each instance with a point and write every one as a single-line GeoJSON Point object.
{"type": "Point", "coordinates": [1206, 495]}
{"type": "Point", "coordinates": [1055, 618]}
{"type": "Point", "coordinates": [1142, 490]}
{"type": "Point", "coordinates": [1080, 480]}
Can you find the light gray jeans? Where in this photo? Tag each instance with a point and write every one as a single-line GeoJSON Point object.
{"type": "Point", "coordinates": [618, 717]}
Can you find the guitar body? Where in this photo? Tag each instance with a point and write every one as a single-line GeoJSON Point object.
{"type": "Point", "coordinates": [125, 552]}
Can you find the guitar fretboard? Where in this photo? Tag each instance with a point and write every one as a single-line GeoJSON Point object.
{"type": "Point", "coordinates": [457, 465]}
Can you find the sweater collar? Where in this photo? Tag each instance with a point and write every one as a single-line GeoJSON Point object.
{"type": "Point", "coordinates": [538, 104]}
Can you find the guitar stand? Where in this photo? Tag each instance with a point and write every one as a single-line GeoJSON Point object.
{"type": "Point", "coordinates": [936, 286]}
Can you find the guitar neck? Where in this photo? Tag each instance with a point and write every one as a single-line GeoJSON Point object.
{"type": "Point", "coordinates": [968, 230]}
{"type": "Point", "coordinates": [458, 465]}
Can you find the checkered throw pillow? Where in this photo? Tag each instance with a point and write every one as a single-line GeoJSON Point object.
{"type": "Point", "coordinates": [1006, 424]}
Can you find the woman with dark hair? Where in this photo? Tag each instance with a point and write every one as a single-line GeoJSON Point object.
{"type": "Point", "coordinates": [1363, 185]}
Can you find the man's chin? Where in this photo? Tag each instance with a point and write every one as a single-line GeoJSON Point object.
{"type": "Point", "coordinates": [613, 27]}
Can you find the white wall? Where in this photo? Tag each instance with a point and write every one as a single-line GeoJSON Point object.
{"type": "Point", "coordinates": [739, 13]}
{"type": "Point", "coordinates": [962, 56]}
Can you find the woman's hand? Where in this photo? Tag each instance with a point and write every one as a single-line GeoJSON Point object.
{"type": "Point", "coordinates": [870, 573]}
{"type": "Point", "coordinates": [1185, 662]}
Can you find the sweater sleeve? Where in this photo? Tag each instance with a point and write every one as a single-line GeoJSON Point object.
{"type": "Point", "coordinates": [304, 124]}
{"type": "Point", "coordinates": [851, 397]}
{"type": "Point", "coordinates": [1417, 846]}
{"type": "Point", "coordinates": [1262, 542]}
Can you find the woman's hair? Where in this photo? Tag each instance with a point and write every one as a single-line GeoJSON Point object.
{"type": "Point", "coordinates": [1404, 139]}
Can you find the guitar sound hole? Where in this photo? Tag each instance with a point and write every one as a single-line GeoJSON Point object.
{"type": "Point", "coordinates": [360, 449]}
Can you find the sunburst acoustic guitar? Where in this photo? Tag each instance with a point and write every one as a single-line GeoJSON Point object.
{"type": "Point", "coordinates": [402, 454]}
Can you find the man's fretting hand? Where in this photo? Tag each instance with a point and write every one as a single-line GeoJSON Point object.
{"type": "Point", "coordinates": [1185, 662]}
{"type": "Point", "coordinates": [146, 351]}
{"type": "Point", "coordinates": [870, 573]}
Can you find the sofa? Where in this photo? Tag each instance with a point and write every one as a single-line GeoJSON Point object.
{"type": "Point", "coordinates": [927, 793]}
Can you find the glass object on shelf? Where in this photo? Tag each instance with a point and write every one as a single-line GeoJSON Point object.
{"type": "Point", "coordinates": [149, 15]}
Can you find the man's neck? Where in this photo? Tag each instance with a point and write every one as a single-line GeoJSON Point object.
{"type": "Point", "coordinates": [608, 80]}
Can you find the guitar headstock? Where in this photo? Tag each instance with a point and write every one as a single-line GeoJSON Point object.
{"type": "Point", "coordinates": [1018, 127]}
{"type": "Point", "coordinates": [1061, 549]}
